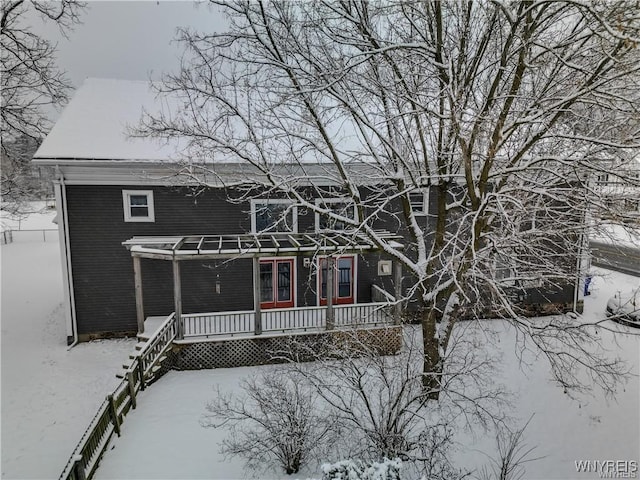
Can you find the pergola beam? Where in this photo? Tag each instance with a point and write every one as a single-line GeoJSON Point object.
{"type": "Point", "coordinates": [250, 245]}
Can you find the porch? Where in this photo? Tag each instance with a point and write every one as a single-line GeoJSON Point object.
{"type": "Point", "coordinates": [237, 324]}
{"type": "Point", "coordinates": [331, 313]}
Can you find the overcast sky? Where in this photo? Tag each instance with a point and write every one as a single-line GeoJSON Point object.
{"type": "Point", "coordinates": [127, 39]}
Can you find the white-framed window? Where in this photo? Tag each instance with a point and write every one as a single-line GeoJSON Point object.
{"type": "Point", "coordinates": [602, 179]}
{"type": "Point", "coordinates": [274, 215]}
{"type": "Point", "coordinates": [632, 205]}
{"type": "Point", "coordinates": [338, 206]}
{"type": "Point", "coordinates": [138, 205]}
{"type": "Point", "coordinates": [504, 270]}
{"type": "Point", "coordinates": [419, 200]}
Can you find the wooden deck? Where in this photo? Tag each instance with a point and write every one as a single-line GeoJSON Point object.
{"type": "Point", "coordinates": [235, 324]}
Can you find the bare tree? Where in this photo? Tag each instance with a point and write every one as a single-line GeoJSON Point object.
{"type": "Point", "coordinates": [30, 81]}
{"type": "Point", "coordinates": [276, 421]}
{"type": "Point", "coordinates": [513, 453]}
{"type": "Point", "coordinates": [17, 186]}
{"type": "Point", "coordinates": [380, 407]}
{"type": "Point", "coordinates": [504, 111]}
{"type": "Point", "coordinates": [339, 399]}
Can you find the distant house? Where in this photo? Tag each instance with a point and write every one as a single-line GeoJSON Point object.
{"type": "Point", "coordinates": [620, 191]}
{"type": "Point", "coordinates": [138, 243]}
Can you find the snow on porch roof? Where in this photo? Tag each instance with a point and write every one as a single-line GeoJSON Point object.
{"type": "Point", "coordinates": [255, 245]}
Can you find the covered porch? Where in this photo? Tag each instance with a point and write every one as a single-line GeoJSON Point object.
{"type": "Point", "coordinates": [328, 315]}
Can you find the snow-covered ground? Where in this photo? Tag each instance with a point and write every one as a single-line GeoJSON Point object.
{"type": "Point", "coordinates": [163, 438]}
{"type": "Point", "coordinates": [49, 393]}
{"type": "Point", "coordinates": [37, 216]}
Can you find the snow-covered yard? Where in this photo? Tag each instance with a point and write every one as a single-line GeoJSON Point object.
{"type": "Point", "coordinates": [37, 215]}
{"type": "Point", "coordinates": [164, 438]}
{"type": "Point", "coordinates": [49, 395]}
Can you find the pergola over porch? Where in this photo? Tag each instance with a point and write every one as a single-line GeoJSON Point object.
{"type": "Point", "coordinates": [255, 246]}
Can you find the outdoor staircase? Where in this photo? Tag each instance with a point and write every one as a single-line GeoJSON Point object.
{"type": "Point", "coordinates": [132, 365]}
{"type": "Point", "coordinates": [150, 353]}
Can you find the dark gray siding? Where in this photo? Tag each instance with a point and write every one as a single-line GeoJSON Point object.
{"type": "Point", "coordinates": [103, 269]}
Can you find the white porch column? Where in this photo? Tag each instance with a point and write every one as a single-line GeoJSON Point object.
{"type": "Point", "coordinates": [256, 296]}
{"type": "Point", "coordinates": [137, 275]}
{"type": "Point", "coordinates": [397, 287]}
{"type": "Point", "coordinates": [330, 272]}
{"type": "Point", "coordinates": [177, 299]}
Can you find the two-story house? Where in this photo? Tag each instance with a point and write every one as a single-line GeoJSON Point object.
{"type": "Point", "coordinates": [140, 241]}
{"type": "Point", "coordinates": [136, 242]}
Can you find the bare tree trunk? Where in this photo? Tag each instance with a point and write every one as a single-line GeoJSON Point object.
{"type": "Point", "coordinates": [432, 361]}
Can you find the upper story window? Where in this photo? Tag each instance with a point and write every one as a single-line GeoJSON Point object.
{"type": "Point", "coordinates": [632, 205]}
{"type": "Point", "coordinates": [419, 200]}
{"type": "Point", "coordinates": [339, 208]}
{"type": "Point", "coordinates": [138, 205]}
{"type": "Point", "coordinates": [504, 270]}
{"type": "Point", "coordinates": [274, 215]}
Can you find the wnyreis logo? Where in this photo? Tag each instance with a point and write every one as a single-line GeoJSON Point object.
{"type": "Point", "coordinates": [609, 468]}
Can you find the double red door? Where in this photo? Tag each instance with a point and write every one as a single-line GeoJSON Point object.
{"type": "Point", "coordinates": [276, 283]}
{"type": "Point", "coordinates": [277, 280]}
{"type": "Point", "coordinates": [343, 280]}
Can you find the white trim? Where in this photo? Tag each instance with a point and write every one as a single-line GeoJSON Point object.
{"type": "Point", "coordinates": [320, 201]}
{"type": "Point", "coordinates": [65, 250]}
{"type": "Point", "coordinates": [267, 201]}
{"type": "Point", "coordinates": [295, 277]}
{"type": "Point", "coordinates": [126, 206]}
{"type": "Point", "coordinates": [64, 257]}
{"type": "Point", "coordinates": [355, 277]}
{"type": "Point", "coordinates": [425, 201]}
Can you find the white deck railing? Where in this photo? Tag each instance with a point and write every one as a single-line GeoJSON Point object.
{"type": "Point", "coordinates": [285, 319]}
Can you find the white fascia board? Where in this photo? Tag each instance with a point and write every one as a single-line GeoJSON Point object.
{"type": "Point", "coordinates": [83, 171]}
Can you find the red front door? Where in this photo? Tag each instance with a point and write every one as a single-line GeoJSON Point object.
{"type": "Point", "coordinates": [276, 283]}
{"type": "Point", "coordinates": [343, 280]}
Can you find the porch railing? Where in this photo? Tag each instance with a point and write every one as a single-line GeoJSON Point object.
{"type": "Point", "coordinates": [156, 346]}
{"type": "Point", "coordinates": [285, 319]}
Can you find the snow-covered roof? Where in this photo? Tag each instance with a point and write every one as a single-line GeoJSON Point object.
{"type": "Point", "coordinates": [94, 133]}
{"type": "Point", "coordinates": [95, 124]}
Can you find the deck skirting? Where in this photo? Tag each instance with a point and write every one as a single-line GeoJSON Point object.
{"type": "Point", "coordinates": [259, 350]}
